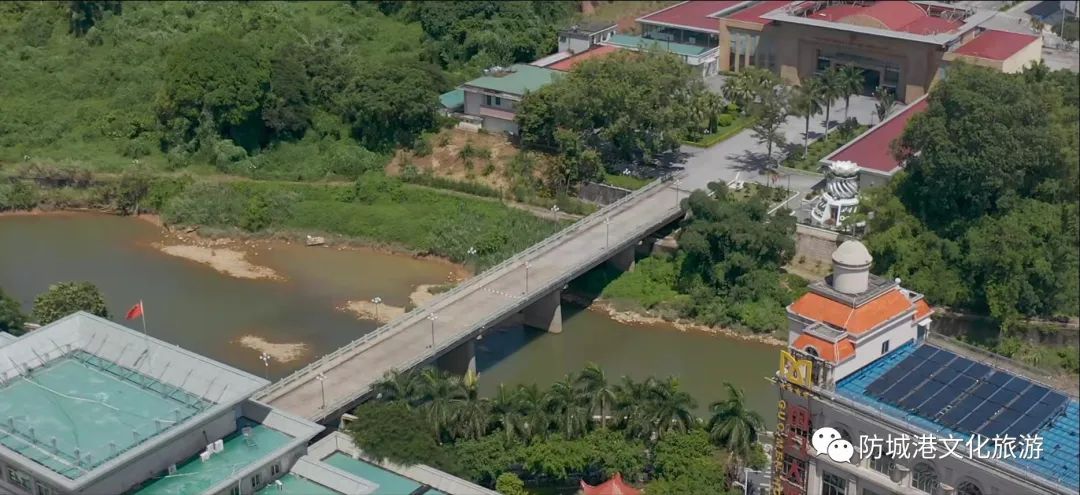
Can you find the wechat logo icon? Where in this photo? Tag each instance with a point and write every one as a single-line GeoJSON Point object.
{"type": "Point", "coordinates": [828, 441]}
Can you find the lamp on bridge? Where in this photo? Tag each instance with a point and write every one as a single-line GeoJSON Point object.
{"type": "Point", "coordinates": [432, 317]}
{"type": "Point", "coordinates": [266, 364]}
{"type": "Point", "coordinates": [376, 301]}
{"type": "Point", "coordinates": [321, 377]}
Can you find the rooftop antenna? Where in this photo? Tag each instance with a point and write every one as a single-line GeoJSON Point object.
{"type": "Point", "coordinates": [207, 393]}
{"type": "Point", "coordinates": [38, 356]}
{"type": "Point", "coordinates": [184, 381]}
{"type": "Point", "coordinates": [226, 387]}
{"type": "Point", "coordinates": [163, 370]}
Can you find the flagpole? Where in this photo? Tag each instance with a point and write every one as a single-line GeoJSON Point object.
{"type": "Point", "coordinates": [146, 336]}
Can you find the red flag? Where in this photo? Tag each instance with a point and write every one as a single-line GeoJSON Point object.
{"type": "Point", "coordinates": [135, 311]}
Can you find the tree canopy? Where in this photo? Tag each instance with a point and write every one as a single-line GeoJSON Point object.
{"type": "Point", "coordinates": [65, 298]}
{"type": "Point", "coordinates": [985, 215]}
{"type": "Point", "coordinates": [12, 319]}
{"type": "Point", "coordinates": [626, 108]}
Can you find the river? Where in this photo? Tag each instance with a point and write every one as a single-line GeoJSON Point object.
{"type": "Point", "coordinates": [196, 307]}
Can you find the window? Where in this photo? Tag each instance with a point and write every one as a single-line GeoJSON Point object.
{"type": "Point", "coordinates": [968, 488]}
{"type": "Point", "coordinates": [498, 101]}
{"type": "Point", "coordinates": [832, 484]}
{"type": "Point", "coordinates": [487, 100]}
{"type": "Point", "coordinates": [256, 480]}
{"type": "Point", "coordinates": [794, 469]}
{"type": "Point", "coordinates": [275, 468]}
{"type": "Point", "coordinates": [882, 464]}
{"type": "Point", "coordinates": [823, 64]}
{"type": "Point", "coordinates": [562, 39]}
{"type": "Point", "coordinates": [20, 478]}
{"type": "Point", "coordinates": [44, 490]}
{"type": "Point", "coordinates": [234, 491]}
{"type": "Point", "coordinates": [924, 478]}
{"type": "Point", "coordinates": [885, 347]}
{"type": "Point", "coordinates": [892, 77]}
{"type": "Point", "coordinates": [812, 351]}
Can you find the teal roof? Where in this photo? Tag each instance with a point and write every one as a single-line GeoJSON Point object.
{"type": "Point", "coordinates": [453, 99]}
{"type": "Point", "coordinates": [639, 43]}
{"type": "Point", "coordinates": [520, 79]}
{"type": "Point", "coordinates": [293, 484]}
{"type": "Point", "coordinates": [389, 483]}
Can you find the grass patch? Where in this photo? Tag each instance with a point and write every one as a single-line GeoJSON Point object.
{"type": "Point", "coordinates": [708, 140]}
{"type": "Point", "coordinates": [821, 148]}
{"type": "Point", "coordinates": [625, 181]}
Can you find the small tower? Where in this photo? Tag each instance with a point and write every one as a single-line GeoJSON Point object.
{"type": "Point", "coordinates": [841, 196]}
{"type": "Point", "coordinates": [851, 268]}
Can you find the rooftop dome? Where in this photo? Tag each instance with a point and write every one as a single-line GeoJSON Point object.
{"type": "Point", "coordinates": [852, 253]}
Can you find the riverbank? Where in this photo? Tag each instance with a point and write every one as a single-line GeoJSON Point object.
{"type": "Point", "coordinates": [627, 317]}
{"type": "Point", "coordinates": [385, 313]}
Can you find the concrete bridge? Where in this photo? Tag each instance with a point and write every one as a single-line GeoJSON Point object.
{"type": "Point", "coordinates": [446, 328]}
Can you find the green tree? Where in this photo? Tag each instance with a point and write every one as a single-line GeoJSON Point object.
{"type": "Point", "coordinates": [215, 81]}
{"type": "Point", "coordinates": [833, 84]}
{"type": "Point", "coordinates": [748, 85]}
{"type": "Point", "coordinates": [440, 392]}
{"type": "Point", "coordinates": [65, 298]}
{"type": "Point", "coordinates": [770, 112]}
{"type": "Point", "coordinates": [508, 414]}
{"type": "Point", "coordinates": [510, 484]}
{"type": "Point", "coordinates": [687, 464]}
{"type": "Point", "coordinates": [670, 408]}
{"type": "Point", "coordinates": [398, 386]}
{"type": "Point", "coordinates": [392, 104]}
{"type": "Point", "coordinates": [392, 431]}
{"type": "Point", "coordinates": [471, 412]}
{"type": "Point", "coordinates": [567, 408]}
{"type": "Point", "coordinates": [86, 13]}
{"type": "Point", "coordinates": [807, 103]}
{"type": "Point", "coordinates": [886, 101]}
{"type": "Point", "coordinates": [733, 426]}
{"type": "Point", "coordinates": [12, 319]}
{"type": "Point", "coordinates": [288, 110]}
{"type": "Point", "coordinates": [632, 406]}
{"type": "Point", "coordinates": [599, 391]}
{"type": "Point", "coordinates": [849, 82]}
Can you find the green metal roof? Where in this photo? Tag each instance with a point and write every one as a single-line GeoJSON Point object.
{"type": "Point", "coordinates": [520, 79]}
{"type": "Point", "coordinates": [452, 99]}
{"type": "Point", "coordinates": [639, 43]}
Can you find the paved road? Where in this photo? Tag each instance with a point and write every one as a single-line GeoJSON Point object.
{"type": "Point", "coordinates": [478, 303]}
{"type": "Point", "coordinates": [742, 156]}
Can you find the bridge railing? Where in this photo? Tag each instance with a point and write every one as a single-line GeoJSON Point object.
{"type": "Point", "coordinates": [409, 318]}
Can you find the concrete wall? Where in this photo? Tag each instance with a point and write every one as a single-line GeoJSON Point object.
{"type": "Point", "coordinates": [156, 462]}
{"type": "Point", "coordinates": [860, 475]}
{"type": "Point", "coordinates": [868, 348]}
{"type": "Point", "coordinates": [603, 194]}
{"type": "Point", "coordinates": [816, 244]}
{"type": "Point", "coordinates": [870, 179]}
{"type": "Point", "coordinates": [1019, 60]}
{"type": "Point", "coordinates": [796, 46]}
{"type": "Point", "coordinates": [492, 124]}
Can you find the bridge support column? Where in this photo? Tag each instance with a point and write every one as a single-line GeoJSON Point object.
{"type": "Point", "coordinates": [624, 260]}
{"type": "Point", "coordinates": [546, 314]}
{"type": "Point", "coordinates": [461, 360]}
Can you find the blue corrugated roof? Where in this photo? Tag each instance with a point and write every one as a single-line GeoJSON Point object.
{"type": "Point", "coordinates": [1060, 459]}
{"type": "Point", "coordinates": [452, 100]}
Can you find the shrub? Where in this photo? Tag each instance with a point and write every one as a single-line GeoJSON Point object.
{"type": "Point", "coordinates": [732, 109]}
{"type": "Point", "coordinates": [725, 120]}
{"type": "Point", "coordinates": [17, 195]}
{"type": "Point", "coordinates": [68, 297]}
{"type": "Point", "coordinates": [422, 146]}
{"type": "Point", "coordinates": [373, 186]}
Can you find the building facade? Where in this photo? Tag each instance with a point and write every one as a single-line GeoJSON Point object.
{"type": "Point", "coordinates": [861, 360]}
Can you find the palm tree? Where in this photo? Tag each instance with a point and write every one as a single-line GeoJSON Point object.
{"type": "Point", "coordinates": [831, 82]}
{"type": "Point", "coordinates": [671, 409]}
{"type": "Point", "coordinates": [505, 412]}
{"type": "Point", "coordinates": [471, 412]}
{"type": "Point", "coordinates": [599, 391]}
{"type": "Point", "coordinates": [440, 391]}
{"type": "Point", "coordinates": [886, 100]}
{"type": "Point", "coordinates": [398, 385]}
{"type": "Point", "coordinates": [733, 426]}
{"type": "Point", "coordinates": [530, 401]}
{"type": "Point", "coordinates": [631, 402]}
{"type": "Point", "coordinates": [807, 103]}
{"type": "Point", "coordinates": [567, 407]}
{"type": "Point", "coordinates": [849, 82]}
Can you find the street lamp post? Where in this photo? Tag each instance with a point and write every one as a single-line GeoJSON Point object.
{"type": "Point", "coordinates": [266, 364]}
{"type": "Point", "coordinates": [555, 212]}
{"type": "Point", "coordinates": [432, 317]}
{"type": "Point", "coordinates": [376, 301]}
{"type": "Point", "coordinates": [607, 232]}
{"type": "Point", "coordinates": [527, 265]}
{"type": "Point", "coordinates": [677, 184]}
{"type": "Point", "coordinates": [322, 387]}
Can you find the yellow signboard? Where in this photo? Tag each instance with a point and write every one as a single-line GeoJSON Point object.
{"type": "Point", "coordinates": [795, 371]}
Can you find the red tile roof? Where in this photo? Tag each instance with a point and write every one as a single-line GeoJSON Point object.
{"type": "Point", "coordinates": [891, 15]}
{"type": "Point", "coordinates": [922, 309]}
{"type": "Point", "coordinates": [568, 63]}
{"type": "Point", "coordinates": [613, 486]}
{"type": "Point", "coordinates": [872, 150]}
{"type": "Point", "coordinates": [692, 15]}
{"type": "Point", "coordinates": [996, 45]}
{"type": "Point", "coordinates": [826, 350]}
{"type": "Point", "coordinates": [754, 12]}
{"type": "Point", "coordinates": [855, 320]}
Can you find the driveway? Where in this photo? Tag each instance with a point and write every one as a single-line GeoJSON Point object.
{"type": "Point", "coordinates": [742, 157]}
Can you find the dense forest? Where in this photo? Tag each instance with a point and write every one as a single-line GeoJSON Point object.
{"type": "Point", "coordinates": [985, 217]}
{"type": "Point", "coordinates": [300, 90]}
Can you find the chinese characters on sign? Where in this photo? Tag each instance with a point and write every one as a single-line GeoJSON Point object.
{"type": "Point", "coordinates": [932, 447]}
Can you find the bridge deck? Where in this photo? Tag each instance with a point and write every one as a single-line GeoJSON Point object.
{"type": "Point", "coordinates": [476, 304]}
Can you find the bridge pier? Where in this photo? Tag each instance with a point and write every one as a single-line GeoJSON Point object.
{"type": "Point", "coordinates": [624, 260]}
{"type": "Point", "coordinates": [461, 360]}
{"type": "Point", "coordinates": [546, 313]}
